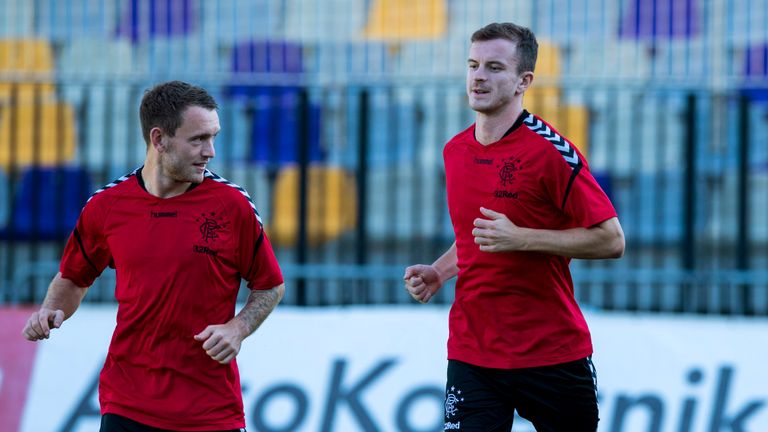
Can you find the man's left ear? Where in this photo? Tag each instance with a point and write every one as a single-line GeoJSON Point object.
{"type": "Point", "coordinates": [526, 79]}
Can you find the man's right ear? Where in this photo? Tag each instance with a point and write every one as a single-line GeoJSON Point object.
{"type": "Point", "coordinates": [156, 139]}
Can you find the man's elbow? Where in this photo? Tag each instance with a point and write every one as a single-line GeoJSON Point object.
{"type": "Point", "coordinates": [614, 241]}
{"type": "Point", "coordinates": [616, 247]}
{"type": "Point", "coordinates": [279, 292]}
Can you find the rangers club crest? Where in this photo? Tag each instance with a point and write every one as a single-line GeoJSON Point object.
{"type": "Point", "coordinates": [210, 226]}
{"type": "Point", "coordinates": [452, 399]}
{"type": "Point", "coordinates": [507, 171]}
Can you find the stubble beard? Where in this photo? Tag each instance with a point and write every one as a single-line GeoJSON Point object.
{"type": "Point", "coordinates": [177, 171]}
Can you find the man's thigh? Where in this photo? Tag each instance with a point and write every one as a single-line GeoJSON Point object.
{"type": "Point", "coordinates": [560, 397]}
{"type": "Point", "coordinates": [474, 402]}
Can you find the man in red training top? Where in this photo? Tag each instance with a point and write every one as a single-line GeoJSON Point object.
{"type": "Point", "coordinates": [523, 203]}
{"type": "Point", "coordinates": [180, 239]}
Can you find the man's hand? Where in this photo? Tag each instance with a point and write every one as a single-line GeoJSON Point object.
{"type": "Point", "coordinates": [498, 233]}
{"type": "Point", "coordinates": [40, 323]}
{"type": "Point", "coordinates": [422, 282]}
{"type": "Point", "coordinates": [222, 342]}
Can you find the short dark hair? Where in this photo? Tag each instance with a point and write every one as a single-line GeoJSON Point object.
{"type": "Point", "coordinates": [163, 105]}
{"type": "Point", "coordinates": [522, 37]}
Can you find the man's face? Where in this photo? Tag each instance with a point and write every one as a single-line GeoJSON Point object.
{"type": "Point", "coordinates": [191, 147]}
{"type": "Point", "coordinates": [492, 77]}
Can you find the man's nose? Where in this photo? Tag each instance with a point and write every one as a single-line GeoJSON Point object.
{"type": "Point", "coordinates": [209, 150]}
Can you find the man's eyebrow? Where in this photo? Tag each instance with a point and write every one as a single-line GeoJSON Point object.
{"type": "Point", "coordinates": [204, 135]}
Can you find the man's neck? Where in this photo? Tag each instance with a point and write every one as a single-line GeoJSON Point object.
{"type": "Point", "coordinates": [490, 128]}
{"type": "Point", "coordinates": [160, 185]}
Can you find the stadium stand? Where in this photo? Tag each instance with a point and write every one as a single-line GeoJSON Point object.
{"type": "Point", "coordinates": [650, 90]}
{"type": "Point", "coordinates": [47, 203]}
{"type": "Point", "coordinates": [34, 127]}
{"type": "Point", "coordinates": [396, 20]}
{"type": "Point", "coordinates": [331, 205]}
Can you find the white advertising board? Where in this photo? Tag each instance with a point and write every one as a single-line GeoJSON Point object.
{"type": "Point", "coordinates": [383, 369]}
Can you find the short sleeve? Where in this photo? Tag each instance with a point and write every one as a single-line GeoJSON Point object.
{"type": "Point", "coordinates": [257, 262]}
{"type": "Point", "coordinates": [586, 203]}
{"type": "Point", "coordinates": [574, 190]}
{"type": "Point", "coordinates": [86, 253]}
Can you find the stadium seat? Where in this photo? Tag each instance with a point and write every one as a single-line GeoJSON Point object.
{"type": "Point", "coordinates": [275, 129]}
{"type": "Point", "coordinates": [406, 19]}
{"type": "Point", "coordinates": [323, 21]}
{"type": "Point", "coordinates": [331, 206]}
{"type": "Point", "coordinates": [545, 100]}
{"type": "Point", "coordinates": [230, 21]}
{"type": "Point", "coordinates": [5, 198]}
{"type": "Point", "coordinates": [467, 16]}
{"type": "Point", "coordinates": [26, 57]}
{"type": "Point", "coordinates": [146, 19]}
{"type": "Point", "coordinates": [39, 134]}
{"type": "Point", "coordinates": [659, 19]}
{"type": "Point", "coordinates": [47, 202]}
{"type": "Point", "coordinates": [756, 68]}
{"type": "Point", "coordinates": [116, 58]}
{"type": "Point", "coordinates": [572, 121]}
{"type": "Point", "coordinates": [543, 97]}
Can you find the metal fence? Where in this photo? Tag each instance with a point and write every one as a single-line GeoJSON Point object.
{"type": "Point", "coordinates": [334, 118]}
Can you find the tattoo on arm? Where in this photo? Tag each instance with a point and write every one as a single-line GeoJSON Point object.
{"type": "Point", "coordinates": [259, 305]}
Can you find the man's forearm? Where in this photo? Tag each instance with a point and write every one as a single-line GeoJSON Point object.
{"type": "Point", "coordinates": [258, 307]}
{"type": "Point", "coordinates": [605, 240]}
{"type": "Point", "coordinates": [447, 265]}
{"type": "Point", "coordinates": [63, 295]}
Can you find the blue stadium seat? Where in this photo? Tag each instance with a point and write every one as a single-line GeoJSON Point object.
{"type": "Point", "coordinates": [660, 19]}
{"type": "Point", "coordinates": [605, 181]}
{"type": "Point", "coordinates": [5, 198]}
{"type": "Point", "coordinates": [145, 19]}
{"type": "Point", "coordinates": [756, 68]}
{"type": "Point", "coordinates": [47, 202]}
{"type": "Point", "coordinates": [275, 116]}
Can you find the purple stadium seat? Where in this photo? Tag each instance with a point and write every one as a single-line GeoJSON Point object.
{"type": "Point", "coordinates": [144, 19]}
{"type": "Point", "coordinates": [659, 19]}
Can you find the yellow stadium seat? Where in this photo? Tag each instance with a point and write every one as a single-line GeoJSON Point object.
{"type": "Point", "coordinates": [331, 206]}
{"type": "Point", "coordinates": [548, 60]}
{"type": "Point", "coordinates": [406, 19]}
{"type": "Point", "coordinates": [545, 90]}
{"type": "Point", "coordinates": [543, 98]}
{"type": "Point", "coordinates": [25, 58]}
{"type": "Point", "coordinates": [37, 133]}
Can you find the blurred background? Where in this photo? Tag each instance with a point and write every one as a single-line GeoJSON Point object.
{"type": "Point", "coordinates": [334, 114]}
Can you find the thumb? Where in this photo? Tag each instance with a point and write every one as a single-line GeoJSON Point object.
{"type": "Point", "coordinates": [58, 318]}
{"type": "Point", "coordinates": [410, 272]}
{"type": "Point", "coordinates": [490, 213]}
{"type": "Point", "coordinates": [203, 335]}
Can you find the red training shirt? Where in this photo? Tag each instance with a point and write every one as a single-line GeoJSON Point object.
{"type": "Point", "coordinates": [179, 262]}
{"type": "Point", "coordinates": [517, 309]}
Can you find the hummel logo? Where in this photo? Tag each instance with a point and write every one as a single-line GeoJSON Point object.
{"type": "Point", "coordinates": [155, 214]}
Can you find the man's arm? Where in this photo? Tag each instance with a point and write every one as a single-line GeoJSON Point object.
{"type": "Point", "coordinates": [259, 305]}
{"type": "Point", "coordinates": [222, 342]}
{"type": "Point", "coordinates": [499, 234]}
{"type": "Point", "coordinates": [61, 301]}
{"type": "Point", "coordinates": [423, 281]}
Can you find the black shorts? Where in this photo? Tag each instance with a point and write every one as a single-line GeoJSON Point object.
{"type": "Point", "coordinates": [118, 423]}
{"type": "Point", "coordinates": [554, 398]}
